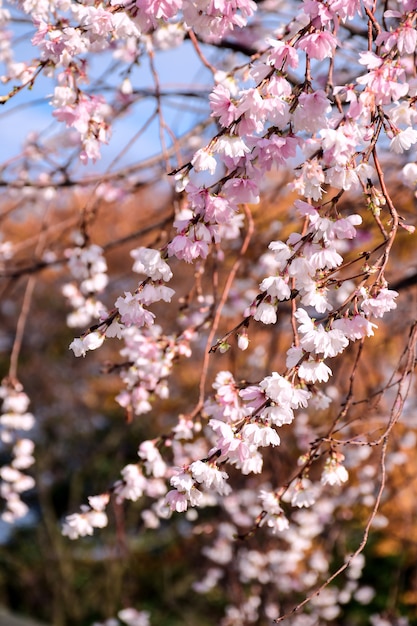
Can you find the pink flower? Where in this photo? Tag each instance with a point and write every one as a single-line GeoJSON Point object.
{"type": "Point", "coordinates": [149, 262]}
{"type": "Point", "coordinates": [182, 480]}
{"type": "Point", "coordinates": [318, 12]}
{"type": "Point", "coordinates": [282, 252]}
{"type": "Point", "coordinates": [185, 248]}
{"type": "Point", "coordinates": [334, 473]}
{"type": "Point", "coordinates": [14, 401]}
{"type": "Point", "coordinates": [278, 415]}
{"type": "Point", "coordinates": [99, 503]}
{"type": "Point", "coordinates": [203, 160]}
{"type": "Point", "coordinates": [276, 286]}
{"type": "Point", "coordinates": [329, 343]}
{"type": "Point", "coordinates": [309, 184]}
{"type": "Point", "coordinates": [154, 463]}
{"type": "Point", "coordinates": [403, 140]}
{"type": "Point", "coordinates": [407, 39]}
{"type": "Point", "coordinates": [219, 209]}
{"type": "Point", "coordinates": [230, 444]}
{"type": "Point", "coordinates": [312, 371]}
{"type": "Point", "coordinates": [210, 476]}
{"type": "Point", "coordinates": [301, 494]}
{"type": "Point", "coordinates": [355, 327]}
{"type": "Point", "coordinates": [370, 59]}
{"type": "Point", "coordinates": [133, 484]}
{"type": "Point", "coordinates": [383, 302]}
{"type": "Point", "coordinates": [154, 293]}
{"type": "Point", "coordinates": [344, 228]}
{"type": "Point", "coordinates": [252, 105]}
{"type": "Point", "coordinates": [115, 329]}
{"type": "Point", "coordinates": [266, 313]}
{"type": "Point", "coordinates": [316, 339]}
{"type": "Point", "coordinates": [278, 389]}
{"type": "Point", "coordinates": [384, 82]}
{"type": "Point", "coordinates": [404, 38]}
{"type": "Point", "coordinates": [87, 116]}
{"type": "Point", "coordinates": [77, 525]}
{"type": "Point", "coordinates": [91, 150]}
{"type": "Point", "coordinates": [347, 9]}
{"type": "Point", "coordinates": [241, 190]}
{"type": "Point", "coordinates": [319, 45]}
{"type": "Point", "coordinates": [260, 435]}
{"type": "Point", "coordinates": [94, 340]}
{"type": "Point", "coordinates": [322, 256]}
{"type": "Point", "coordinates": [134, 618]}
{"type": "Point", "coordinates": [282, 55]}
{"type": "Point", "coordinates": [222, 106]}
{"type": "Point", "coordinates": [311, 112]}
{"type": "Point", "coordinates": [132, 312]}
{"type": "Point", "coordinates": [77, 346]}
{"type": "Point", "coordinates": [148, 12]}
{"type": "Point", "coordinates": [409, 175]}
{"type": "Point", "coordinates": [231, 146]}
{"type": "Point", "coordinates": [313, 296]}
{"type": "Point", "coordinates": [176, 501]}
{"type": "Point", "coordinates": [97, 21]}
{"type": "Point", "coordinates": [276, 150]}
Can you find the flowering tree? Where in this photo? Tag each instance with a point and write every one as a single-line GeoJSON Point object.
{"type": "Point", "coordinates": [276, 202]}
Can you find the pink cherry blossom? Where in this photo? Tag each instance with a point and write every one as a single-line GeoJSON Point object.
{"type": "Point", "coordinates": [266, 312]}
{"type": "Point", "coordinates": [319, 45]}
{"type": "Point", "coordinates": [403, 140]}
{"type": "Point", "coordinates": [222, 106]}
{"type": "Point", "coordinates": [311, 112]}
{"type": "Point", "coordinates": [262, 173]}
{"type": "Point", "coordinates": [132, 312]}
{"type": "Point", "coordinates": [204, 160]}
{"type": "Point", "coordinates": [334, 473]}
{"type": "Point", "coordinates": [260, 435]}
{"type": "Point", "coordinates": [150, 263]}
{"type": "Point", "coordinates": [282, 55]}
{"type": "Point", "coordinates": [380, 304]}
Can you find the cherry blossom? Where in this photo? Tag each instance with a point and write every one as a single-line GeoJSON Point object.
{"type": "Point", "coordinates": [150, 263]}
{"type": "Point", "coordinates": [319, 45]}
{"type": "Point", "coordinates": [379, 305]}
{"type": "Point", "coordinates": [14, 419]}
{"type": "Point", "coordinates": [270, 201]}
{"type": "Point", "coordinates": [334, 473]}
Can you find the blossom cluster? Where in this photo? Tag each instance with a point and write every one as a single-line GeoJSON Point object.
{"type": "Point", "coordinates": [317, 104]}
{"type": "Point", "coordinates": [266, 124]}
{"type": "Point", "coordinates": [91, 516]}
{"type": "Point", "coordinates": [287, 565]}
{"type": "Point", "coordinates": [88, 268]}
{"type": "Point", "coordinates": [15, 422]}
{"type": "Point", "coordinates": [150, 356]}
{"type": "Point", "coordinates": [129, 309]}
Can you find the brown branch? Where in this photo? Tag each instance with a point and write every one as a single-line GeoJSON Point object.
{"type": "Point", "coordinates": [20, 328]}
{"type": "Point", "coordinates": [200, 54]}
{"type": "Point", "coordinates": [24, 312]}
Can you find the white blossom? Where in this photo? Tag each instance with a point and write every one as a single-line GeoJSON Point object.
{"type": "Point", "coordinates": [150, 263]}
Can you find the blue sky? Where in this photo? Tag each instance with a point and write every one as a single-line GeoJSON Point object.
{"type": "Point", "coordinates": [177, 68]}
